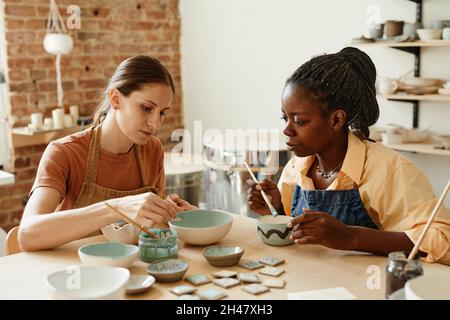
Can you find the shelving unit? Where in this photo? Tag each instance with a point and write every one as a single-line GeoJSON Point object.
{"type": "Point", "coordinates": [414, 47]}
{"type": "Point", "coordinates": [426, 148]}
{"type": "Point", "coordinates": [23, 137]}
{"type": "Point", "coordinates": [416, 97]}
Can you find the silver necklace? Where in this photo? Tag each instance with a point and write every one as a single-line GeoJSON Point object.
{"type": "Point", "coordinates": [327, 174]}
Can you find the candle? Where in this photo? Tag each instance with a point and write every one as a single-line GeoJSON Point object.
{"type": "Point", "coordinates": [48, 123]}
{"type": "Point", "coordinates": [74, 113]}
{"type": "Point", "coordinates": [58, 118]}
{"type": "Point", "coordinates": [68, 122]}
{"type": "Point", "coordinates": [36, 120]}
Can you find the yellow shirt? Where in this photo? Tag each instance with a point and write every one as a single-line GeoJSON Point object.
{"type": "Point", "coordinates": [395, 193]}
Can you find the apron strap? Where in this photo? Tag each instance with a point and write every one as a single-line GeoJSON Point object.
{"type": "Point", "coordinates": [93, 156]}
{"type": "Point", "coordinates": [137, 149]}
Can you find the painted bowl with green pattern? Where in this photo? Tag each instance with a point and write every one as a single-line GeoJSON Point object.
{"type": "Point", "coordinates": [223, 256]}
{"type": "Point", "coordinates": [113, 254]}
{"type": "Point", "coordinates": [202, 227]}
{"type": "Point", "coordinates": [274, 231]}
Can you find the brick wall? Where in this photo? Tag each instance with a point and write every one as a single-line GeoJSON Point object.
{"type": "Point", "coordinates": [111, 30]}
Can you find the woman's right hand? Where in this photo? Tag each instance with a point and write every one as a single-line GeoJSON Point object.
{"type": "Point", "coordinates": [147, 209]}
{"type": "Point", "coordinates": [256, 201]}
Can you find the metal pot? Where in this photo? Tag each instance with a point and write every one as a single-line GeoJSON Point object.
{"type": "Point", "coordinates": [184, 177]}
{"type": "Point", "coordinates": [225, 174]}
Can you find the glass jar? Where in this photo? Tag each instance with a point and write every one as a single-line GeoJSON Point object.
{"type": "Point", "coordinates": [163, 247]}
{"type": "Point", "coordinates": [399, 270]}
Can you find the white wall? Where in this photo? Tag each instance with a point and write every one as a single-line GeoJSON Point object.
{"type": "Point", "coordinates": [236, 55]}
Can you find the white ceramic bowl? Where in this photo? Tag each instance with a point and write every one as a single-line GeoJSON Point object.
{"type": "Point", "coordinates": [127, 233]}
{"type": "Point", "coordinates": [420, 82]}
{"type": "Point", "coordinates": [88, 282]}
{"type": "Point", "coordinates": [202, 227]}
{"type": "Point", "coordinates": [113, 254]}
{"type": "Point", "coordinates": [433, 287]}
{"type": "Point", "coordinates": [139, 283]}
{"type": "Point", "coordinates": [429, 34]}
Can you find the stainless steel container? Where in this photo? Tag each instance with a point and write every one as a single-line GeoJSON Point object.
{"type": "Point", "coordinates": [225, 184]}
{"type": "Point", "coordinates": [185, 177]}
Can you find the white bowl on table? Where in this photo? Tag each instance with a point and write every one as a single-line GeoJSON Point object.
{"type": "Point", "coordinates": [113, 254]}
{"type": "Point", "coordinates": [88, 283]}
{"type": "Point", "coordinates": [433, 287]}
{"type": "Point", "coordinates": [202, 227]}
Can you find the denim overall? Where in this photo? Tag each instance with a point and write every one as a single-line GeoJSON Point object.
{"type": "Point", "coordinates": [344, 205]}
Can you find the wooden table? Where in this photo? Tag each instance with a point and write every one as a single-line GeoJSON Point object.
{"type": "Point", "coordinates": [308, 267]}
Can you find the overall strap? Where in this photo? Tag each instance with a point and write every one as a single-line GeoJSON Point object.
{"type": "Point", "coordinates": [93, 156]}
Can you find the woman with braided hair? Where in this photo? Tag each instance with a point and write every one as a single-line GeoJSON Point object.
{"type": "Point", "coordinates": [344, 190]}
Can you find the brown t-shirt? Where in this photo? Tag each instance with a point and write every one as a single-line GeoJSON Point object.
{"type": "Point", "coordinates": [63, 167]}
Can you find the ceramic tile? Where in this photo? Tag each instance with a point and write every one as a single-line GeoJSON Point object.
{"type": "Point", "coordinates": [226, 282]}
{"type": "Point", "coordinates": [274, 283]}
{"type": "Point", "coordinates": [270, 271]}
{"type": "Point", "coordinates": [188, 297]}
{"type": "Point", "coordinates": [271, 261]}
{"type": "Point", "coordinates": [224, 274]}
{"type": "Point", "coordinates": [250, 264]}
{"type": "Point", "coordinates": [248, 277]}
{"type": "Point", "coordinates": [197, 279]}
{"type": "Point", "coordinates": [255, 288]}
{"type": "Point", "coordinates": [212, 294]}
{"type": "Point", "coordinates": [184, 289]}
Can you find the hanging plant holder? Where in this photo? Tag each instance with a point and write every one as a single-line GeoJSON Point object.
{"type": "Point", "coordinates": [57, 41]}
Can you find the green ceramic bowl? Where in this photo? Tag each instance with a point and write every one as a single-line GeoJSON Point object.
{"type": "Point", "coordinates": [223, 256]}
{"type": "Point", "coordinates": [202, 227]}
{"type": "Point", "coordinates": [274, 231]}
{"type": "Point", "coordinates": [113, 254]}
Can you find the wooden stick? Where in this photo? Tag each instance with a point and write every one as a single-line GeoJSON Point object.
{"type": "Point", "coordinates": [266, 199]}
{"type": "Point", "coordinates": [133, 222]}
{"type": "Point", "coordinates": [430, 220]}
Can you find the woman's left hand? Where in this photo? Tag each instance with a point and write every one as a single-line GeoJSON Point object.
{"type": "Point", "coordinates": [316, 227]}
{"type": "Point", "coordinates": [180, 203]}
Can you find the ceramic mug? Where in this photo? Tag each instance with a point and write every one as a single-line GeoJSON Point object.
{"type": "Point", "coordinates": [387, 86]}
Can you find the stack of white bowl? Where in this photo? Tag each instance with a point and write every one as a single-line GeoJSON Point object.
{"type": "Point", "coordinates": [429, 34]}
{"type": "Point", "coordinates": [417, 85]}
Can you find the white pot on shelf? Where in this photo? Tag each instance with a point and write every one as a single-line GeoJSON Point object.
{"type": "Point", "coordinates": [58, 43]}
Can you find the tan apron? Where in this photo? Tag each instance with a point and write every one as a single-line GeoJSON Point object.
{"type": "Point", "coordinates": [91, 192]}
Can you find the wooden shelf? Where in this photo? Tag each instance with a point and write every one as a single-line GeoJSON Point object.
{"type": "Point", "coordinates": [413, 97]}
{"type": "Point", "coordinates": [23, 137]}
{"type": "Point", "coordinates": [425, 148]}
{"type": "Point", "coordinates": [410, 44]}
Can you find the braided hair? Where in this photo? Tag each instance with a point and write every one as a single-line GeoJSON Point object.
{"type": "Point", "coordinates": [343, 80]}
